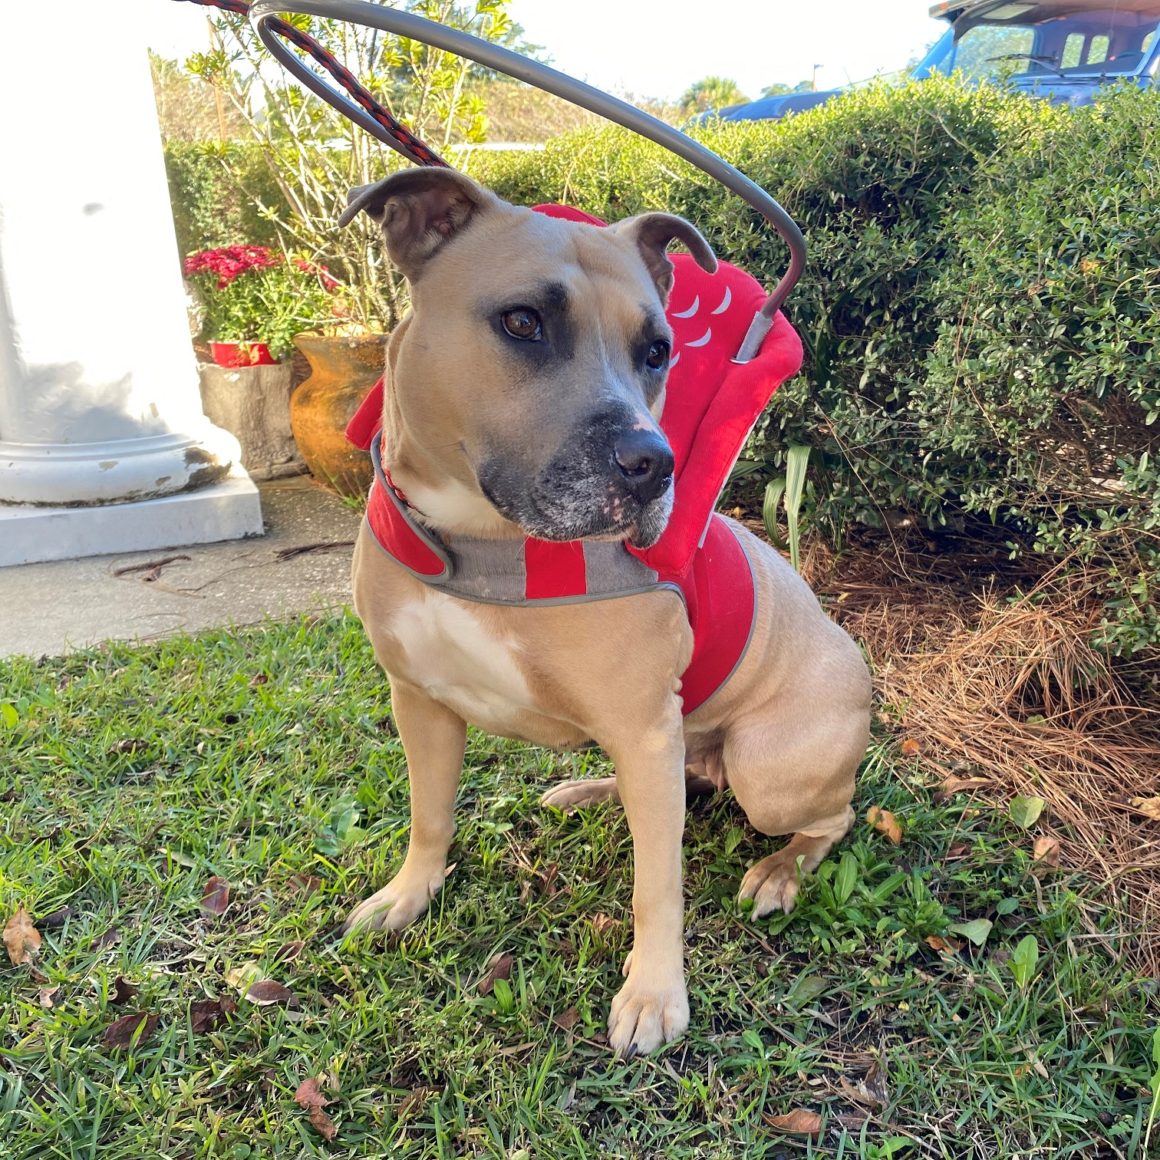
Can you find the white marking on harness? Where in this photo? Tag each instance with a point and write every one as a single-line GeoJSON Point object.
{"type": "Point", "coordinates": [702, 340]}
{"type": "Point", "coordinates": [674, 360]}
{"type": "Point", "coordinates": [691, 311]}
{"type": "Point", "coordinates": [725, 301]}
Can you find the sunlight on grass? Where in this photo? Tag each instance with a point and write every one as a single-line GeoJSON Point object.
{"type": "Point", "coordinates": [269, 758]}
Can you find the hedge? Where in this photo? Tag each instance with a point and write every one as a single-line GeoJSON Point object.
{"type": "Point", "coordinates": [216, 188]}
{"type": "Point", "coordinates": [984, 275]}
{"type": "Point", "coordinates": [978, 311]}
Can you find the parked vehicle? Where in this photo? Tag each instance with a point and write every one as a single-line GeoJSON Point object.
{"type": "Point", "coordinates": [1063, 51]}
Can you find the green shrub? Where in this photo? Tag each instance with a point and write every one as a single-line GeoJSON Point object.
{"type": "Point", "coordinates": [983, 277]}
{"type": "Point", "coordinates": [218, 190]}
{"type": "Point", "coordinates": [983, 271]}
{"type": "Point", "coordinates": [872, 178]}
{"type": "Point", "coordinates": [1039, 401]}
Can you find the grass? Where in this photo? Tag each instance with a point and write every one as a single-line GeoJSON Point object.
{"type": "Point", "coordinates": [267, 757]}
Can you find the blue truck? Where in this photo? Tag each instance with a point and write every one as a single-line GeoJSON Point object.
{"type": "Point", "coordinates": [1062, 51]}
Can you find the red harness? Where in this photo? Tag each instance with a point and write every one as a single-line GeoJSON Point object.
{"type": "Point", "coordinates": [711, 404]}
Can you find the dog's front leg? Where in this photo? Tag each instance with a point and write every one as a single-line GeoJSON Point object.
{"type": "Point", "coordinates": [653, 1006]}
{"type": "Point", "coordinates": [433, 740]}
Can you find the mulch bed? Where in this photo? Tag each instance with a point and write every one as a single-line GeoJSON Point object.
{"type": "Point", "coordinates": [986, 668]}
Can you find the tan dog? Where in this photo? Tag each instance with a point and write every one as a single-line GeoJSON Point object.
{"type": "Point", "coordinates": [523, 390]}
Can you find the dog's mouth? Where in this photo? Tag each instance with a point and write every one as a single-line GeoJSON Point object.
{"type": "Point", "coordinates": [582, 513]}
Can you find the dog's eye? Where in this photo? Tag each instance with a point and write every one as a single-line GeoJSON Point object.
{"type": "Point", "coordinates": [658, 355]}
{"type": "Point", "coordinates": [523, 323]}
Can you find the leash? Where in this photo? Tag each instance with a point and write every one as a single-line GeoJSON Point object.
{"type": "Point", "coordinates": [364, 110]}
{"type": "Point", "coordinates": [398, 136]}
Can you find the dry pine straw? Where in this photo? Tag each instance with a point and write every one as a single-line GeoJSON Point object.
{"type": "Point", "coordinates": [1006, 687]}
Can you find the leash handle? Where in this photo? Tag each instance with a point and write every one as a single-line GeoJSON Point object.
{"type": "Point", "coordinates": [273, 32]}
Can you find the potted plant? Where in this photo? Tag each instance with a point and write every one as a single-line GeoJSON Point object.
{"type": "Point", "coordinates": [256, 299]}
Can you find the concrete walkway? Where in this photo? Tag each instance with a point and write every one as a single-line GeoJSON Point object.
{"type": "Point", "coordinates": [48, 609]}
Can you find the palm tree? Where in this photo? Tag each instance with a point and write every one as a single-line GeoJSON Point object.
{"type": "Point", "coordinates": [711, 93]}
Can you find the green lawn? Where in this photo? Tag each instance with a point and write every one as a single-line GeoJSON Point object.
{"type": "Point", "coordinates": [131, 776]}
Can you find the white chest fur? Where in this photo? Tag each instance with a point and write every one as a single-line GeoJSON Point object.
{"type": "Point", "coordinates": [447, 650]}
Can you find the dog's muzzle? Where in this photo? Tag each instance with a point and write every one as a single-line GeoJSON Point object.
{"type": "Point", "coordinates": [613, 480]}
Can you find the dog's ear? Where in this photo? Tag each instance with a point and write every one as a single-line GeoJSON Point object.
{"type": "Point", "coordinates": [419, 210]}
{"type": "Point", "coordinates": [653, 232]}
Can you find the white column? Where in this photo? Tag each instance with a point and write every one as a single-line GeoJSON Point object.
{"type": "Point", "coordinates": [103, 444]}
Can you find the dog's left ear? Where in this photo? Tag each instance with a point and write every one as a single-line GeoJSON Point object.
{"type": "Point", "coordinates": [653, 232]}
{"type": "Point", "coordinates": [419, 210]}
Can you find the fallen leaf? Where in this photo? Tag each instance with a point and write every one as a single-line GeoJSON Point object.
{"type": "Point", "coordinates": [55, 920]}
{"type": "Point", "coordinates": [603, 923]}
{"type": "Point", "coordinates": [885, 823]}
{"type": "Point", "coordinates": [45, 995]}
{"type": "Point", "coordinates": [950, 786]}
{"type": "Point", "coordinates": [289, 951]}
{"type": "Point", "coordinates": [910, 748]}
{"type": "Point", "coordinates": [1149, 807]}
{"type": "Point", "coordinates": [268, 992]}
{"type": "Point", "coordinates": [208, 1014]}
{"type": "Point", "coordinates": [961, 850]}
{"type": "Point", "coordinates": [500, 967]}
{"type": "Point", "coordinates": [944, 946]}
{"type": "Point", "coordinates": [21, 938]}
{"type": "Point", "coordinates": [241, 977]}
{"type": "Point", "coordinates": [215, 897]}
{"type": "Point", "coordinates": [305, 884]}
{"type": "Point", "coordinates": [799, 1122]}
{"type": "Point", "coordinates": [1025, 811]}
{"type": "Point", "coordinates": [130, 1030]}
{"type": "Point", "coordinates": [109, 939]}
{"type": "Point", "coordinates": [568, 1019]}
{"type": "Point", "coordinates": [122, 991]}
{"type": "Point", "coordinates": [309, 1097]}
{"type": "Point", "coordinates": [976, 930]}
{"type": "Point", "coordinates": [1046, 850]}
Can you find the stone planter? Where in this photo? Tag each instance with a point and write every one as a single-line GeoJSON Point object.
{"type": "Point", "coordinates": [342, 372]}
{"type": "Point", "coordinates": [253, 403]}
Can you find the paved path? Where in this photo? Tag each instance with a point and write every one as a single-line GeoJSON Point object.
{"type": "Point", "coordinates": [47, 609]}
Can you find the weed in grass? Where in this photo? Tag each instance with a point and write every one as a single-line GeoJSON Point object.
{"type": "Point", "coordinates": [265, 758]}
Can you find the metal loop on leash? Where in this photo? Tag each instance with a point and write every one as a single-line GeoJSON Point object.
{"type": "Point", "coordinates": [364, 111]}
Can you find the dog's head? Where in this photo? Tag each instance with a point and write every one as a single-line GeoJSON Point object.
{"type": "Point", "coordinates": [532, 370]}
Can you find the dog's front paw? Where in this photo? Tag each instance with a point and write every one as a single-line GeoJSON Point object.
{"type": "Point", "coordinates": [645, 1015]}
{"type": "Point", "coordinates": [401, 901]}
{"type": "Point", "coordinates": [772, 883]}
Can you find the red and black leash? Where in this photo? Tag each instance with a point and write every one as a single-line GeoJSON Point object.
{"type": "Point", "coordinates": [409, 145]}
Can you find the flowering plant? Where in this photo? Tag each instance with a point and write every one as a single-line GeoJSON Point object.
{"type": "Point", "coordinates": [254, 294]}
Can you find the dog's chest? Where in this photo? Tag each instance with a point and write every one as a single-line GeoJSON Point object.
{"type": "Point", "coordinates": [444, 647]}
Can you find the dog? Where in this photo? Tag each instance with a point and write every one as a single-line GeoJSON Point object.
{"type": "Point", "coordinates": [523, 394]}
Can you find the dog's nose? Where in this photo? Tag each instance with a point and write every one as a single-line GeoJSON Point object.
{"type": "Point", "coordinates": [645, 461]}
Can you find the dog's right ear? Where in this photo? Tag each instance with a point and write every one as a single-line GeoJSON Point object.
{"type": "Point", "coordinates": [419, 210]}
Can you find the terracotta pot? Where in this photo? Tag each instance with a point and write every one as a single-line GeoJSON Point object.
{"type": "Point", "coordinates": [242, 354]}
{"type": "Point", "coordinates": [342, 372]}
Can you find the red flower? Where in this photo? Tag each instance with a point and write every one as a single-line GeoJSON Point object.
{"type": "Point", "coordinates": [229, 262]}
